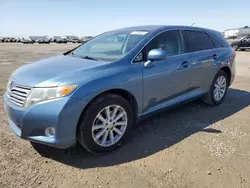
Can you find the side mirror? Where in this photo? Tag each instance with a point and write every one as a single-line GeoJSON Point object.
{"type": "Point", "coordinates": [155, 55]}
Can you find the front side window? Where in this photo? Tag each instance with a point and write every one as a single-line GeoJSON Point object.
{"type": "Point", "coordinates": [169, 41]}
{"type": "Point", "coordinates": [197, 41]}
{"type": "Point", "coordinates": [110, 46]}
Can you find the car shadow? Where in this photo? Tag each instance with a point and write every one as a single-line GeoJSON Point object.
{"type": "Point", "coordinates": [157, 133]}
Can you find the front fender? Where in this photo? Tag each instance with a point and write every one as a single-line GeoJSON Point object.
{"type": "Point", "coordinates": [128, 78]}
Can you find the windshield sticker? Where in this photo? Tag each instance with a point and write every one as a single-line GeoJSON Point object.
{"type": "Point", "coordinates": [139, 33]}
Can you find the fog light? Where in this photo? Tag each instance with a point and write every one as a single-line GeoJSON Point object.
{"type": "Point", "coordinates": [50, 131]}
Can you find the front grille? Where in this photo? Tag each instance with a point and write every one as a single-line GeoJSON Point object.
{"type": "Point", "coordinates": [18, 94]}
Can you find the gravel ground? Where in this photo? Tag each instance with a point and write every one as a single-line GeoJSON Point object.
{"type": "Point", "coordinates": [189, 146]}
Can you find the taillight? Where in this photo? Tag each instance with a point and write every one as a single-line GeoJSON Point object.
{"type": "Point", "coordinates": [234, 53]}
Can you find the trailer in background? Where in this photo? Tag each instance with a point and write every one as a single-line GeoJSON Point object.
{"type": "Point", "coordinates": [236, 33]}
{"type": "Point", "coordinates": [244, 32]}
{"type": "Point", "coordinates": [231, 33]}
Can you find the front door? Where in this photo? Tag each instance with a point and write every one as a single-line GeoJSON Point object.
{"type": "Point", "coordinates": [169, 78]}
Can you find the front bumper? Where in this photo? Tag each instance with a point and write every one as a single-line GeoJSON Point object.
{"type": "Point", "coordinates": [30, 123]}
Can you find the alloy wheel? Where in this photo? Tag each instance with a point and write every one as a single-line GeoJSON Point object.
{"type": "Point", "coordinates": [220, 88]}
{"type": "Point", "coordinates": [109, 125]}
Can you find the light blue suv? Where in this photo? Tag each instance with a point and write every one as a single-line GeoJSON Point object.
{"type": "Point", "coordinates": [94, 93]}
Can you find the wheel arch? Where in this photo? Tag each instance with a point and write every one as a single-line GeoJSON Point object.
{"type": "Point", "coordinates": [121, 92]}
{"type": "Point", "coordinates": [227, 70]}
{"type": "Point", "coordinates": [128, 96]}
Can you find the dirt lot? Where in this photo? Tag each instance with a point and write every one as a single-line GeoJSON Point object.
{"type": "Point", "coordinates": [190, 146]}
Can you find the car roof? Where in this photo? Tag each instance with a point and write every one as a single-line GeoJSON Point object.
{"type": "Point", "coordinates": [151, 28]}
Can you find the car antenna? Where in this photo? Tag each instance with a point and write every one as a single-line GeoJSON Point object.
{"type": "Point", "coordinates": [192, 23]}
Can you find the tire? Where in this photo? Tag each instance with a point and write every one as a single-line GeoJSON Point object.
{"type": "Point", "coordinates": [86, 134]}
{"type": "Point", "coordinates": [235, 47]}
{"type": "Point", "coordinates": [242, 49]}
{"type": "Point", "coordinates": [210, 97]}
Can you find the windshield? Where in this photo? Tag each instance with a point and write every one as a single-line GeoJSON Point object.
{"type": "Point", "coordinates": [110, 46]}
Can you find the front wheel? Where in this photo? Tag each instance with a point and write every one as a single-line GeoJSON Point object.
{"type": "Point", "coordinates": [104, 124]}
{"type": "Point", "coordinates": [218, 89]}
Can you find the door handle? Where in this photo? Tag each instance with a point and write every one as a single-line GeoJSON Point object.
{"type": "Point", "coordinates": [215, 56]}
{"type": "Point", "coordinates": [185, 64]}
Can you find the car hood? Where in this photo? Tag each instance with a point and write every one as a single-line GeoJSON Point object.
{"type": "Point", "coordinates": [56, 70]}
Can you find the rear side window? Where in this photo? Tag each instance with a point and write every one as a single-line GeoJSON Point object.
{"type": "Point", "coordinates": [218, 36]}
{"type": "Point", "coordinates": [197, 41]}
{"type": "Point", "coordinates": [216, 43]}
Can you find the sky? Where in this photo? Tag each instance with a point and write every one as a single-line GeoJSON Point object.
{"type": "Point", "coordinates": [92, 17]}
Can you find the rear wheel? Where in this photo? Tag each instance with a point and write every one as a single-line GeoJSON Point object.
{"type": "Point", "coordinates": [105, 124]}
{"type": "Point", "coordinates": [218, 89]}
{"type": "Point", "coordinates": [242, 49]}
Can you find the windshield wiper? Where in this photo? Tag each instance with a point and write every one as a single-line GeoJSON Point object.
{"type": "Point", "coordinates": [91, 58]}
{"type": "Point", "coordinates": [86, 57]}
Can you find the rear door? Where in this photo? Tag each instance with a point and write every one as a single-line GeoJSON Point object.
{"type": "Point", "coordinates": [203, 55]}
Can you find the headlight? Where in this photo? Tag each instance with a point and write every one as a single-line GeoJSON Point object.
{"type": "Point", "coordinates": [9, 81]}
{"type": "Point", "coordinates": [43, 94]}
{"type": "Point", "coordinates": [8, 85]}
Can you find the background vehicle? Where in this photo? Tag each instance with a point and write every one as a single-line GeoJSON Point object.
{"type": "Point", "coordinates": [18, 40]}
{"type": "Point", "coordinates": [53, 40]}
{"type": "Point", "coordinates": [60, 41]}
{"type": "Point", "coordinates": [104, 86]}
{"type": "Point", "coordinates": [87, 38]}
{"type": "Point", "coordinates": [236, 33]}
{"type": "Point", "coordinates": [12, 40]}
{"type": "Point", "coordinates": [81, 41]}
{"type": "Point", "coordinates": [43, 41]}
{"type": "Point", "coordinates": [74, 40]}
{"type": "Point", "coordinates": [27, 41]}
{"type": "Point", "coordinates": [241, 44]}
{"type": "Point", "coordinates": [7, 40]}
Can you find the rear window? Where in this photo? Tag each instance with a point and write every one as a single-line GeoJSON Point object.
{"type": "Point", "coordinates": [197, 41]}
